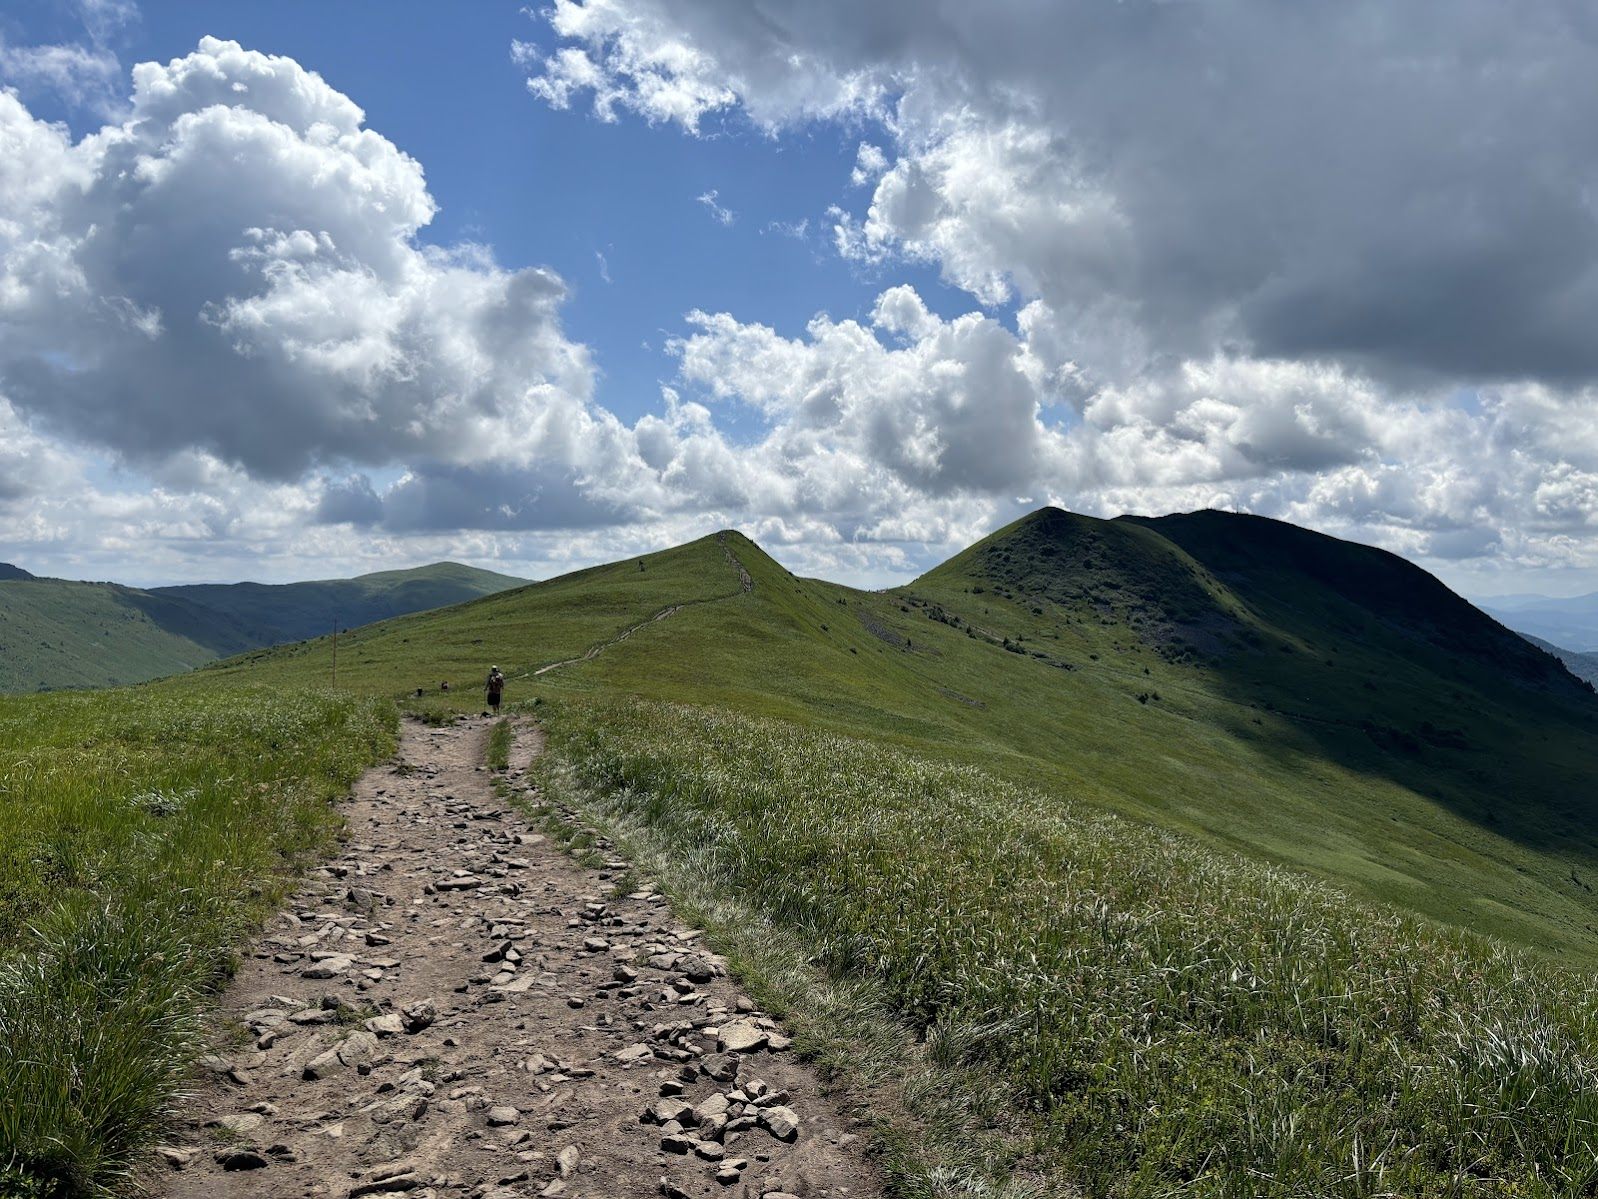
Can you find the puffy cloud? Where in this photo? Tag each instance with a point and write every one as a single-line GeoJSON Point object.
{"type": "Point", "coordinates": [1401, 190]}
{"type": "Point", "coordinates": [950, 411]}
{"type": "Point", "coordinates": [31, 465]}
{"type": "Point", "coordinates": [235, 269]}
{"type": "Point", "coordinates": [672, 65]}
{"type": "Point", "coordinates": [1336, 265]}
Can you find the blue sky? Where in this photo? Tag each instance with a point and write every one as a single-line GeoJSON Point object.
{"type": "Point", "coordinates": [864, 281]}
{"type": "Point", "coordinates": [558, 189]}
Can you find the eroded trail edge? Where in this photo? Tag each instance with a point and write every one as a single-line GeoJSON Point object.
{"type": "Point", "coordinates": [457, 1007]}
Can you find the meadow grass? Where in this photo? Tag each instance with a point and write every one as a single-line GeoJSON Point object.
{"type": "Point", "coordinates": [1171, 1020]}
{"type": "Point", "coordinates": [496, 756]}
{"type": "Point", "coordinates": [144, 832]}
{"type": "Point", "coordinates": [950, 796]}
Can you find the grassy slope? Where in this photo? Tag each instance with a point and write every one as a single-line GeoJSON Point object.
{"type": "Point", "coordinates": [1498, 838]}
{"type": "Point", "coordinates": [58, 634]}
{"type": "Point", "coordinates": [519, 631]}
{"type": "Point", "coordinates": [1293, 724]}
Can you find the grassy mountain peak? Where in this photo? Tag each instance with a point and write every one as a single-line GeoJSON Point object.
{"type": "Point", "coordinates": [1349, 589]}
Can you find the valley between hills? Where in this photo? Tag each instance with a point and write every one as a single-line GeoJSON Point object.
{"type": "Point", "coordinates": [1197, 854]}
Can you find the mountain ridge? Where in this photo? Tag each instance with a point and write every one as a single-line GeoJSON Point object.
{"type": "Point", "coordinates": [57, 633]}
{"type": "Point", "coordinates": [1282, 721]}
{"type": "Point", "coordinates": [1571, 623]}
{"type": "Point", "coordinates": [1583, 666]}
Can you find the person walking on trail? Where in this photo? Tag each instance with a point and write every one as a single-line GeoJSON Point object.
{"type": "Point", "coordinates": [494, 688]}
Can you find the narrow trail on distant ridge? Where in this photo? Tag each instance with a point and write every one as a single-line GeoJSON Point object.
{"type": "Point", "coordinates": [456, 1008]}
{"type": "Point", "coordinates": [746, 585]}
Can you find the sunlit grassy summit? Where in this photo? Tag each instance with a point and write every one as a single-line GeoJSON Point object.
{"type": "Point", "coordinates": [1198, 854]}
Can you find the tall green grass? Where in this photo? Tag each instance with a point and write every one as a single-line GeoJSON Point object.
{"type": "Point", "coordinates": [142, 832]}
{"type": "Point", "coordinates": [1175, 1021]}
{"type": "Point", "coordinates": [496, 755]}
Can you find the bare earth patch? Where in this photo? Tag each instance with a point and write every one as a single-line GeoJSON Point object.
{"type": "Point", "coordinates": [457, 1008]}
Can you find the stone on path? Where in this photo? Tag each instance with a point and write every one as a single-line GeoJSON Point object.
{"type": "Point", "coordinates": [419, 1015]}
{"type": "Point", "coordinates": [240, 1159]}
{"type": "Point", "coordinates": [740, 1036]}
{"type": "Point", "coordinates": [780, 1122]}
{"type": "Point", "coordinates": [388, 1025]}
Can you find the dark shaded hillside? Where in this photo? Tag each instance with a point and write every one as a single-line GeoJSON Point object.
{"type": "Point", "coordinates": [1362, 654]}
{"type": "Point", "coordinates": [275, 613]}
{"type": "Point", "coordinates": [59, 634]}
{"type": "Point", "coordinates": [1117, 574]}
{"type": "Point", "coordinates": [1583, 666]}
{"type": "Point", "coordinates": [9, 572]}
{"type": "Point", "coordinates": [55, 634]}
{"type": "Point", "coordinates": [1293, 575]}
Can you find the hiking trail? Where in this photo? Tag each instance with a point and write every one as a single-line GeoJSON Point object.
{"type": "Point", "coordinates": [456, 1007]}
{"type": "Point", "coordinates": [745, 586]}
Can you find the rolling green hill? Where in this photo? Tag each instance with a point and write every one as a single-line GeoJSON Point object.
{"type": "Point", "coordinates": [294, 611]}
{"type": "Point", "coordinates": [57, 634]}
{"type": "Point", "coordinates": [1133, 858]}
{"type": "Point", "coordinates": [1312, 702]}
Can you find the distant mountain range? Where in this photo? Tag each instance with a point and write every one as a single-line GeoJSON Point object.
{"type": "Point", "coordinates": [1571, 623]}
{"type": "Point", "coordinates": [1583, 666]}
{"type": "Point", "coordinates": [59, 634]}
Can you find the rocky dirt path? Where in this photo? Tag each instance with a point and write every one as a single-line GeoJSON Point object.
{"type": "Point", "coordinates": [457, 1008]}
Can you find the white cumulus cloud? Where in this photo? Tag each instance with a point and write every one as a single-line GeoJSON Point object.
{"type": "Point", "coordinates": [236, 269]}
{"type": "Point", "coordinates": [1334, 264]}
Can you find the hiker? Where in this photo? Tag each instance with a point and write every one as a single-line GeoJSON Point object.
{"type": "Point", "coordinates": [494, 686]}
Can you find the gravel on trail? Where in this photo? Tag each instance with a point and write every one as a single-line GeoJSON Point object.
{"type": "Point", "coordinates": [455, 1007]}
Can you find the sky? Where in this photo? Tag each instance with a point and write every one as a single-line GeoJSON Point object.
{"type": "Point", "coordinates": [305, 290]}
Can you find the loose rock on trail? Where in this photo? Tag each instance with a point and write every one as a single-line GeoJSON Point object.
{"type": "Point", "coordinates": [455, 1007]}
